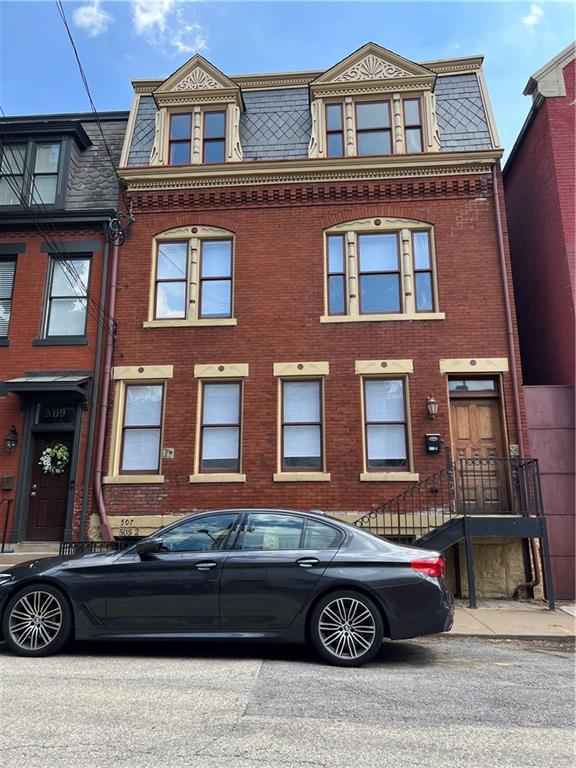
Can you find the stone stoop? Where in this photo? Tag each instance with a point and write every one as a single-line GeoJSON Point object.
{"type": "Point", "coordinates": [28, 550]}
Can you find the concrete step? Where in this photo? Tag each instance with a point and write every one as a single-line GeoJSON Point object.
{"type": "Point", "coordinates": [28, 550]}
{"type": "Point", "coordinates": [36, 546]}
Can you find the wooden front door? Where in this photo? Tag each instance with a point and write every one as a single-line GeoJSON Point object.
{"type": "Point", "coordinates": [48, 494]}
{"type": "Point", "coordinates": [481, 480]}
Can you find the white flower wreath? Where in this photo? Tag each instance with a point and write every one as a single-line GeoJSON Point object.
{"type": "Point", "coordinates": [54, 459]}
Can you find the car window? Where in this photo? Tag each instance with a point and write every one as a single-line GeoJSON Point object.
{"type": "Point", "coordinates": [321, 536]}
{"type": "Point", "coordinates": [201, 534]}
{"type": "Point", "coordinates": [272, 531]}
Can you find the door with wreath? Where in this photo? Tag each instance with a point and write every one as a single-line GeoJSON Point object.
{"type": "Point", "coordinates": [50, 487]}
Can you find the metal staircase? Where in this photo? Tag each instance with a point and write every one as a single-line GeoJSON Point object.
{"type": "Point", "coordinates": [468, 498]}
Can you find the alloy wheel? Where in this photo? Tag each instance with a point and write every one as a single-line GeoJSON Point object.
{"type": "Point", "coordinates": [35, 620]}
{"type": "Point", "coordinates": [347, 628]}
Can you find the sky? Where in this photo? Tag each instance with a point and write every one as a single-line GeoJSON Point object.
{"type": "Point", "coordinates": [121, 40]}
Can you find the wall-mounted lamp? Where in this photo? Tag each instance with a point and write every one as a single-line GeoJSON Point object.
{"type": "Point", "coordinates": [11, 439]}
{"type": "Point", "coordinates": [431, 406]}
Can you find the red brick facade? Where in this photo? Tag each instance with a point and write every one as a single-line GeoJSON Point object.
{"type": "Point", "coordinates": [278, 299]}
{"type": "Point", "coordinates": [540, 187]}
{"type": "Point", "coordinates": [22, 356]}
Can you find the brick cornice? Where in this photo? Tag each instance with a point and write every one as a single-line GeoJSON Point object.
{"type": "Point", "coordinates": [315, 194]}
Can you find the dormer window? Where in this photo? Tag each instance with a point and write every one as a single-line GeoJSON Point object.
{"type": "Point", "coordinates": [373, 128]}
{"type": "Point", "coordinates": [180, 139]}
{"type": "Point", "coordinates": [29, 173]}
{"type": "Point", "coordinates": [214, 138]}
{"type": "Point", "coordinates": [373, 103]}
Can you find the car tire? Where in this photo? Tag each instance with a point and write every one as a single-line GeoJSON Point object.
{"type": "Point", "coordinates": [346, 628]}
{"type": "Point", "coordinates": [37, 621]}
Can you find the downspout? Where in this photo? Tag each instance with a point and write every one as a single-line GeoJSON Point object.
{"type": "Point", "coordinates": [95, 386]}
{"type": "Point", "coordinates": [509, 323]}
{"type": "Point", "coordinates": [106, 377]}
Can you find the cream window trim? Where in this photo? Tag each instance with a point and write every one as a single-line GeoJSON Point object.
{"type": "Point", "coordinates": [144, 372]}
{"type": "Point", "coordinates": [207, 374]}
{"type": "Point", "coordinates": [474, 365]}
{"type": "Point", "coordinates": [392, 475]}
{"type": "Point", "coordinates": [218, 477]}
{"type": "Point", "coordinates": [123, 376]}
{"type": "Point", "coordinates": [224, 102]}
{"type": "Point", "coordinates": [286, 370]}
{"type": "Point", "coordinates": [383, 368]}
{"type": "Point", "coordinates": [301, 477]}
{"type": "Point", "coordinates": [383, 318]}
{"type": "Point", "coordinates": [385, 92]}
{"type": "Point", "coordinates": [222, 371]}
{"type": "Point", "coordinates": [193, 236]}
{"type": "Point", "coordinates": [389, 477]}
{"type": "Point", "coordinates": [132, 479]}
{"type": "Point", "coordinates": [128, 136]}
{"type": "Point", "coordinates": [201, 323]}
{"type": "Point", "coordinates": [281, 476]}
{"type": "Point", "coordinates": [404, 229]}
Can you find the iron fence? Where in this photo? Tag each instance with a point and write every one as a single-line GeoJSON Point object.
{"type": "Point", "coordinates": [467, 486]}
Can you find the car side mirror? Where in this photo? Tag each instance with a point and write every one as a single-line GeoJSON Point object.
{"type": "Point", "coordinates": [148, 546]}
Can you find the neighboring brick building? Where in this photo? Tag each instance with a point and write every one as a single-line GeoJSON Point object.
{"type": "Point", "coordinates": [58, 192]}
{"type": "Point", "coordinates": [539, 179]}
{"type": "Point", "coordinates": [314, 264]}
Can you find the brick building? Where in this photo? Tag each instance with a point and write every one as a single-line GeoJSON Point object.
{"type": "Point", "coordinates": [313, 304]}
{"type": "Point", "coordinates": [58, 192]}
{"type": "Point", "coordinates": [540, 185]}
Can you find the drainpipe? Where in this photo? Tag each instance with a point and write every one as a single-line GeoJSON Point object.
{"type": "Point", "coordinates": [509, 323]}
{"type": "Point", "coordinates": [95, 387]}
{"type": "Point", "coordinates": [106, 377]}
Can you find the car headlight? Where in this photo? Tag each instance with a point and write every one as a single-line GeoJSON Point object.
{"type": "Point", "coordinates": [5, 578]}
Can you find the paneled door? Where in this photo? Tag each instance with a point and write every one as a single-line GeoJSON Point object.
{"type": "Point", "coordinates": [48, 493]}
{"type": "Point", "coordinates": [481, 480]}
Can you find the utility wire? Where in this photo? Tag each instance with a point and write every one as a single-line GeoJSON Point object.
{"type": "Point", "coordinates": [60, 8]}
{"type": "Point", "coordinates": [93, 307]}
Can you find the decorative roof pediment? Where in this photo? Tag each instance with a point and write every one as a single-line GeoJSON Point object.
{"type": "Point", "coordinates": [197, 80]}
{"type": "Point", "coordinates": [372, 64]}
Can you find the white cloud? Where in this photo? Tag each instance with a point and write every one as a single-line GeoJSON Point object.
{"type": "Point", "coordinates": [534, 15]}
{"type": "Point", "coordinates": [162, 23]}
{"type": "Point", "coordinates": [92, 18]}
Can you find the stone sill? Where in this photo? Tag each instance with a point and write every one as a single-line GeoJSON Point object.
{"type": "Point", "coordinates": [398, 317]}
{"type": "Point", "coordinates": [203, 323]}
{"type": "Point", "coordinates": [132, 479]}
{"type": "Point", "coordinates": [218, 477]}
{"type": "Point", "coordinates": [390, 477]}
{"type": "Point", "coordinates": [302, 477]}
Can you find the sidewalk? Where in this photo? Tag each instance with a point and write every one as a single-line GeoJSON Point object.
{"type": "Point", "coordinates": [509, 619]}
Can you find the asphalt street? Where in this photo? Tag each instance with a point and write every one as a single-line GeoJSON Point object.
{"type": "Point", "coordinates": [436, 702]}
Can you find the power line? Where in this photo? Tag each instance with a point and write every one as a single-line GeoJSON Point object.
{"type": "Point", "coordinates": [93, 307]}
{"type": "Point", "coordinates": [90, 99]}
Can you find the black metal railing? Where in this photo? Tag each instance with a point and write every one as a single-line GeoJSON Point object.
{"type": "Point", "coordinates": [71, 548]}
{"type": "Point", "coordinates": [5, 529]}
{"type": "Point", "coordinates": [467, 486]}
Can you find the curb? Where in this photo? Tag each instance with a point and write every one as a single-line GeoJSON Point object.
{"type": "Point", "coordinates": [479, 636]}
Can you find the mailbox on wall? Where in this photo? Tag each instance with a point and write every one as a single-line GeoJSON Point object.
{"type": "Point", "coordinates": [433, 443]}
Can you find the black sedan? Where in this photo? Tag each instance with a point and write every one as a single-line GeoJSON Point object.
{"type": "Point", "coordinates": [234, 574]}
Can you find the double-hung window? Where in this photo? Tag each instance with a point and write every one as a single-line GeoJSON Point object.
{"type": "Point", "coordinates": [373, 128]}
{"type": "Point", "coordinates": [215, 279]}
{"type": "Point", "coordinates": [412, 125]}
{"type": "Point", "coordinates": [214, 137]}
{"type": "Point", "coordinates": [380, 269]}
{"type": "Point", "coordinates": [220, 426]}
{"type": "Point", "coordinates": [302, 426]}
{"type": "Point", "coordinates": [379, 273]}
{"type": "Point", "coordinates": [334, 130]}
{"type": "Point", "coordinates": [192, 278]}
{"type": "Point", "coordinates": [385, 425]}
{"type": "Point", "coordinates": [7, 272]}
{"type": "Point", "coordinates": [180, 140]}
{"type": "Point", "coordinates": [29, 173]}
{"type": "Point", "coordinates": [67, 300]}
{"type": "Point", "coordinates": [142, 428]}
{"type": "Point", "coordinates": [180, 144]}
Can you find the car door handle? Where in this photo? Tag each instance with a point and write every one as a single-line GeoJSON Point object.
{"type": "Point", "coordinates": [205, 565]}
{"type": "Point", "coordinates": [307, 562]}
